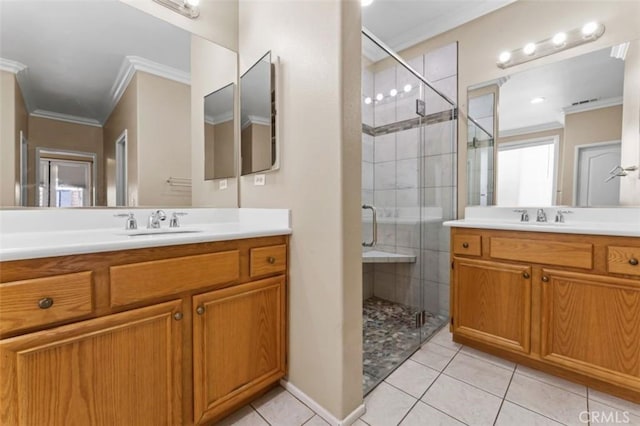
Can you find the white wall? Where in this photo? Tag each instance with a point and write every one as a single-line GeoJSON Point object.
{"type": "Point", "coordinates": [8, 87]}
{"type": "Point", "coordinates": [318, 43]}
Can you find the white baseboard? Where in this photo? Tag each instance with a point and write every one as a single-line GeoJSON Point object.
{"type": "Point", "coordinates": [320, 410]}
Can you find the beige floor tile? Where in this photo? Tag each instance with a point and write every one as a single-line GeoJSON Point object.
{"type": "Point", "coordinates": [316, 421]}
{"type": "Point", "coordinates": [281, 408]}
{"type": "Point", "coordinates": [433, 356]}
{"type": "Point", "coordinates": [613, 401]}
{"type": "Point", "coordinates": [386, 405]}
{"type": "Point", "coordinates": [423, 414]}
{"type": "Point", "coordinates": [553, 402]}
{"type": "Point", "coordinates": [463, 401]}
{"type": "Point", "coordinates": [412, 377]}
{"type": "Point", "coordinates": [359, 423]}
{"type": "Point", "coordinates": [552, 380]}
{"type": "Point", "coordinates": [246, 416]}
{"type": "Point", "coordinates": [479, 373]}
{"type": "Point", "coordinates": [605, 415]}
{"type": "Point", "coordinates": [512, 414]}
{"type": "Point", "coordinates": [443, 338]}
{"type": "Point", "coordinates": [489, 358]}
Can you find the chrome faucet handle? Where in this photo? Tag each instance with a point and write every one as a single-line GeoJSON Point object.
{"type": "Point", "coordinates": [132, 223]}
{"type": "Point", "coordinates": [155, 218]}
{"type": "Point", "coordinates": [560, 215]}
{"type": "Point", "coordinates": [541, 216]}
{"type": "Point", "coordinates": [174, 222]}
{"type": "Point", "coordinates": [524, 217]}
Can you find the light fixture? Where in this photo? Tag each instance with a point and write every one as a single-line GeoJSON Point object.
{"type": "Point", "coordinates": [365, 3]}
{"type": "Point", "coordinates": [393, 92]}
{"type": "Point", "coordinates": [537, 100]}
{"type": "Point", "coordinates": [529, 48]}
{"type": "Point", "coordinates": [620, 51]}
{"type": "Point", "coordinates": [379, 96]}
{"type": "Point", "coordinates": [188, 8]}
{"type": "Point", "coordinates": [407, 88]}
{"type": "Point", "coordinates": [556, 43]}
{"type": "Point", "coordinates": [367, 100]}
{"type": "Point", "coordinates": [559, 39]}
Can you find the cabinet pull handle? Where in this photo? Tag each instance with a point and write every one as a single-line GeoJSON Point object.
{"type": "Point", "coordinates": [271, 260]}
{"type": "Point", "coordinates": [633, 261]}
{"type": "Point", "coordinates": [526, 275]}
{"type": "Point", "coordinates": [45, 303]}
{"type": "Point", "coordinates": [177, 316]}
{"type": "Point", "coordinates": [545, 278]}
{"type": "Point", "coordinates": [465, 245]}
{"type": "Point", "coordinates": [200, 310]}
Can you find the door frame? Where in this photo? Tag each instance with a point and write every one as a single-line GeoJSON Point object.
{"type": "Point", "coordinates": [576, 163]}
{"type": "Point", "coordinates": [79, 155]}
{"type": "Point", "coordinates": [122, 146]}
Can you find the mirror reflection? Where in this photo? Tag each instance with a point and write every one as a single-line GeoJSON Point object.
{"type": "Point", "coordinates": [219, 134]}
{"type": "Point", "coordinates": [257, 138]}
{"type": "Point", "coordinates": [554, 133]}
{"type": "Point", "coordinates": [102, 106]}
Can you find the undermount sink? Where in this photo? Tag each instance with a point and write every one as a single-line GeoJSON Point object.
{"type": "Point", "coordinates": [159, 231]}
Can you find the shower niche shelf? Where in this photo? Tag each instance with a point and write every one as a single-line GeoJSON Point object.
{"type": "Point", "coordinates": [377, 256]}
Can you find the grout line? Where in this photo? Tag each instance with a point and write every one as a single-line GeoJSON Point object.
{"type": "Point", "coordinates": [260, 415]}
{"type": "Point", "coordinates": [513, 373]}
{"type": "Point", "coordinates": [448, 415]}
{"type": "Point", "coordinates": [551, 384]}
{"type": "Point", "coordinates": [589, 424]}
{"type": "Point", "coordinates": [535, 412]}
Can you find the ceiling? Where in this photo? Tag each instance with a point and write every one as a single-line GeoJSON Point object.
{"type": "Point", "coordinates": [74, 50]}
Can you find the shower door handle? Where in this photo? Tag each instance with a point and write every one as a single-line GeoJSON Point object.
{"type": "Point", "coordinates": [374, 238]}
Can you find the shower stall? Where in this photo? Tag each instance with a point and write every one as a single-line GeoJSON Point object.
{"type": "Point", "coordinates": [408, 191]}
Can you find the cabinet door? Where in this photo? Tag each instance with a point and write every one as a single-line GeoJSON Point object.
{"type": "Point", "coordinates": [492, 303]}
{"type": "Point", "coordinates": [238, 344]}
{"type": "Point", "coordinates": [591, 324]}
{"type": "Point", "coordinates": [122, 369]}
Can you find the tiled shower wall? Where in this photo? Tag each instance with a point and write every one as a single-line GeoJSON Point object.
{"type": "Point", "coordinates": [392, 181]}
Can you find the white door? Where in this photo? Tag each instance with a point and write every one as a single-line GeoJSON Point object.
{"type": "Point", "coordinates": [594, 164]}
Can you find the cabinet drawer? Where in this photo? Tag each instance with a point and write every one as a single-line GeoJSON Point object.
{"type": "Point", "coordinates": [147, 280]}
{"type": "Point", "coordinates": [41, 301]}
{"type": "Point", "coordinates": [267, 260]}
{"type": "Point", "coordinates": [579, 255]}
{"type": "Point", "coordinates": [467, 244]}
{"type": "Point", "coordinates": [623, 260]}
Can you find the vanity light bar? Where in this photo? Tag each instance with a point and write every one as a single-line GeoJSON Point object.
{"type": "Point", "coordinates": [557, 43]}
{"type": "Point", "coordinates": [188, 8]}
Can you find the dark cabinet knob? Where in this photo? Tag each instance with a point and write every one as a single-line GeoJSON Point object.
{"type": "Point", "coordinates": [465, 245]}
{"type": "Point", "coordinates": [271, 260]}
{"type": "Point", "coordinates": [177, 316]}
{"type": "Point", "coordinates": [545, 278]}
{"type": "Point", "coordinates": [45, 303]}
{"type": "Point", "coordinates": [633, 261]}
{"type": "Point", "coordinates": [526, 275]}
{"type": "Point", "coordinates": [200, 310]}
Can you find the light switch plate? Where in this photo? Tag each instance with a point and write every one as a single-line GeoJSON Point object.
{"type": "Point", "coordinates": [222, 184]}
{"type": "Point", "coordinates": [259, 180]}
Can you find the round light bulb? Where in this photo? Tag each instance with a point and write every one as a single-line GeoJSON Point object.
{"type": "Point", "coordinates": [559, 39]}
{"type": "Point", "coordinates": [379, 96]}
{"type": "Point", "coordinates": [365, 3]}
{"type": "Point", "coordinates": [393, 92]}
{"type": "Point", "coordinates": [367, 100]}
{"type": "Point", "coordinates": [407, 88]}
{"type": "Point", "coordinates": [537, 100]}
{"type": "Point", "coordinates": [504, 57]}
{"type": "Point", "coordinates": [589, 29]}
{"type": "Point", "coordinates": [529, 48]}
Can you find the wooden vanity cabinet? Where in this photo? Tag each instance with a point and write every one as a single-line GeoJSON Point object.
{"type": "Point", "coordinates": [566, 304]}
{"type": "Point", "coordinates": [157, 343]}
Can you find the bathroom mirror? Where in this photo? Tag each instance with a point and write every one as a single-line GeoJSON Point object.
{"type": "Point", "coordinates": [219, 159]}
{"type": "Point", "coordinates": [554, 133]}
{"type": "Point", "coordinates": [115, 84]}
{"type": "Point", "coordinates": [258, 138]}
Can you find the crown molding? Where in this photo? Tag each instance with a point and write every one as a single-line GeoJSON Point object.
{"type": "Point", "coordinates": [589, 106]}
{"type": "Point", "coordinates": [218, 119]}
{"type": "Point", "coordinates": [66, 117]}
{"type": "Point", "coordinates": [497, 81]}
{"type": "Point", "coordinates": [20, 70]}
{"type": "Point", "coordinates": [129, 66]}
{"type": "Point", "coordinates": [254, 119]}
{"type": "Point", "coordinates": [13, 67]}
{"type": "Point", "coordinates": [553, 125]}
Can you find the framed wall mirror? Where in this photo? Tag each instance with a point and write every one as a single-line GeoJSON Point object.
{"type": "Point", "coordinates": [258, 147]}
{"type": "Point", "coordinates": [553, 132]}
{"type": "Point", "coordinates": [219, 158]}
{"type": "Point", "coordinates": [115, 83]}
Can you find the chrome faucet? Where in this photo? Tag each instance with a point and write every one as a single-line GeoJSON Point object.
{"type": "Point", "coordinates": [541, 216]}
{"type": "Point", "coordinates": [131, 220]}
{"type": "Point", "coordinates": [524, 217]}
{"type": "Point", "coordinates": [560, 215]}
{"type": "Point", "coordinates": [174, 222]}
{"type": "Point", "coordinates": [155, 218]}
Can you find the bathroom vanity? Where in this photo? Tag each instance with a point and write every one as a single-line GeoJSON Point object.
{"type": "Point", "coordinates": [560, 297]}
{"type": "Point", "coordinates": [181, 331]}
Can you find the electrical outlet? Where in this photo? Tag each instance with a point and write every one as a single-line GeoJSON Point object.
{"type": "Point", "coordinates": [259, 180]}
{"type": "Point", "coordinates": [222, 184]}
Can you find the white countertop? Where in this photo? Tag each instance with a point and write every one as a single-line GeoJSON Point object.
{"type": "Point", "coordinates": [28, 234]}
{"type": "Point", "coordinates": [593, 221]}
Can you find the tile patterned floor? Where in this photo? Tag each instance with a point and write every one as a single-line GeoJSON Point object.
{"type": "Point", "coordinates": [445, 383]}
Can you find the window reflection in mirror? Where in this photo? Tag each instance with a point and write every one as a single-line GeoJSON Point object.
{"type": "Point", "coordinates": [558, 132]}
{"type": "Point", "coordinates": [219, 161]}
{"type": "Point", "coordinates": [257, 138]}
{"type": "Point", "coordinates": [480, 148]}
